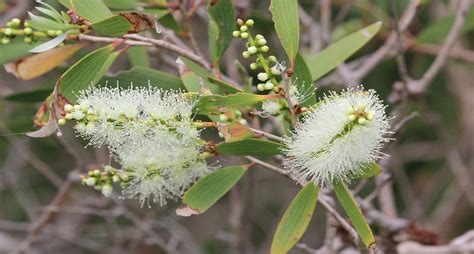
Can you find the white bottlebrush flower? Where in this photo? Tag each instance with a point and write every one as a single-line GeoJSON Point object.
{"type": "Point", "coordinates": [161, 169]}
{"type": "Point", "coordinates": [118, 116]}
{"type": "Point", "coordinates": [335, 141]}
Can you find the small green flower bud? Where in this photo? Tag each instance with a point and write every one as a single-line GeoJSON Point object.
{"type": "Point", "coordinates": [240, 22]}
{"type": "Point", "coordinates": [246, 54]}
{"type": "Point", "coordinates": [261, 87]}
{"type": "Point", "coordinates": [261, 42]}
{"type": "Point", "coordinates": [28, 40]}
{"type": "Point", "coordinates": [244, 28]}
{"type": "Point", "coordinates": [275, 71]}
{"type": "Point", "coordinates": [361, 120]}
{"type": "Point", "coordinates": [124, 177]}
{"type": "Point", "coordinates": [15, 22]}
{"type": "Point", "coordinates": [268, 86]}
{"type": "Point", "coordinates": [90, 181]}
{"type": "Point", "coordinates": [236, 34]}
{"type": "Point", "coordinates": [252, 50]}
{"type": "Point", "coordinates": [253, 66]}
{"type": "Point", "coordinates": [62, 121]}
{"type": "Point", "coordinates": [107, 190]}
{"type": "Point", "coordinates": [68, 108]}
{"type": "Point", "coordinates": [51, 33]}
{"type": "Point", "coordinates": [8, 32]}
{"type": "Point", "coordinates": [259, 37]}
{"type": "Point", "coordinates": [96, 173]}
{"type": "Point", "coordinates": [27, 23]}
{"type": "Point", "coordinates": [115, 178]}
{"type": "Point", "coordinates": [8, 24]}
{"type": "Point", "coordinates": [109, 170]}
{"type": "Point", "coordinates": [249, 22]}
{"type": "Point", "coordinates": [262, 76]}
{"type": "Point", "coordinates": [238, 113]}
{"type": "Point", "coordinates": [370, 115]}
{"type": "Point", "coordinates": [243, 121]}
{"type": "Point", "coordinates": [244, 35]}
{"type": "Point", "coordinates": [28, 31]}
{"type": "Point", "coordinates": [5, 40]}
{"type": "Point", "coordinates": [272, 59]}
{"type": "Point", "coordinates": [58, 33]}
{"type": "Point", "coordinates": [223, 118]}
{"type": "Point", "coordinates": [264, 48]}
{"type": "Point", "coordinates": [352, 117]}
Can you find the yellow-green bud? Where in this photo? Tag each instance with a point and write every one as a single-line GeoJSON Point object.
{"type": "Point", "coordinates": [361, 120]}
{"type": "Point", "coordinates": [244, 35]}
{"type": "Point", "coordinates": [236, 34]}
{"type": "Point", "coordinates": [261, 42]}
{"type": "Point", "coordinates": [259, 37]}
{"type": "Point", "coordinates": [107, 190]}
{"type": "Point", "coordinates": [261, 87]}
{"type": "Point", "coordinates": [15, 22]}
{"type": "Point", "coordinates": [250, 22]}
{"type": "Point", "coordinates": [5, 40]}
{"type": "Point", "coordinates": [243, 121]}
{"type": "Point", "coordinates": [246, 54]}
{"type": "Point", "coordinates": [264, 48]}
{"type": "Point", "coordinates": [90, 181]}
{"type": "Point", "coordinates": [262, 76]}
{"type": "Point", "coordinates": [272, 59]}
{"type": "Point", "coordinates": [252, 49]}
{"type": "Point", "coordinates": [27, 23]}
{"type": "Point", "coordinates": [244, 28]}
{"type": "Point", "coordinates": [58, 33]}
{"type": "Point", "coordinates": [68, 108]}
{"type": "Point", "coordinates": [8, 32]}
{"type": "Point", "coordinates": [223, 118]}
{"type": "Point", "coordinates": [27, 39]}
{"type": "Point", "coordinates": [28, 31]}
{"type": "Point", "coordinates": [51, 33]}
{"type": "Point", "coordinates": [352, 117]}
{"type": "Point", "coordinates": [275, 71]}
{"type": "Point", "coordinates": [62, 121]}
{"type": "Point", "coordinates": [370, 115]}
{"type": "Point", "coordinates": [268, 86]}
{"type": "Point", "coordinates": [253, 66]}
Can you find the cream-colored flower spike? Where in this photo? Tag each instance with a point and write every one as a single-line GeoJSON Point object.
{"type": "Point", "coordinates": [335, 141]}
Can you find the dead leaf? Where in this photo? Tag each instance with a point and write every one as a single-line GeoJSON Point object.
{"type": "Point", "coordinates": [235, 132]}
{"type": "Point", "coordinates": [140, 21]}
{"type": "Point", "coordinates": [36, 65]}
{"type": "Point", "coordinates": [186, 211]}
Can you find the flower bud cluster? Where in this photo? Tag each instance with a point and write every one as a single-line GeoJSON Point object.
{"type": "Point", "coordinates": [13, 28]}
{"type": "Point", "coordinates": [235, 115]}
{"type": "Point", "coordinates": [103, 180]}
{"type": "Point", "coordinates": [258, 46]}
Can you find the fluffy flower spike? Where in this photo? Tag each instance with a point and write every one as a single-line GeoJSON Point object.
{"type": "Point", "coordinates": [335, 141]}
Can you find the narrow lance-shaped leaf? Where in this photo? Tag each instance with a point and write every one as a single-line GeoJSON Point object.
{"type": "Point", "coordinates": [221, 25]}
{"type": "Point", "coordinates": [303, 81]}
{"type": "Point", "coordinates": [209, 189]}
{"type": "Point", "coordinates": [252, 146]}
{"type": "Point", "coordinates": [86, 71]}
{"type": "Point", "coordinates": [125, 23]}
{"type": "Point", "coordinates": [296, 219]}
{"type": "Point", "coordinates": [371, 169]}
{"type": "Point", "coordinates": [92, 10]}
{"type": "Point", "coordinates": [140, 76]}
{"type": "Point", "coordinates": [213, 104]}
{"type": "Point", "coordinates": [286, 19]}
{"type": "Point", "coordinates": [338, 52]}
{"type": "Point", "coordinates": [354, 213]}
{"type": "Point", "coordinates": [138, 57]}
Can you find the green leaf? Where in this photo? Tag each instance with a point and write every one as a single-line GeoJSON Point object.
{"type": "Point", "coordinates": [92, 10]}
{"type": "Point", "coordinates": [113, 26]}
{"type": "Point", "coordinates": [86, 71]}
{"type": "Point", "coordinates": [141, 76]}
{"type": "Point", "coordinates": [121, 4]}
{"type": "Point", "coordinates": [354, 213]}
{"type": "Point", "coordinates": [212, 104]}
{"type": "Point", "coordinates": [252, 146]}
{"type": "Point", "coordinates": [372, 169]}
{"type": "Point", "coordinates": [338, 52]}
{"type": "Point", "coordinates": [138, 56]}
{"type": "Point", "coordinates": [196, 77]}
{"type": "Point", "coordinates": [303, 81]}
{"type": "Point", "coordinates": [17, 48]}
{"type": "Point", "coordinates": [296, 219]}
{"type": "Point", "coordinates": [438, 30]}
{"type": "Point", "coordinates": [33, 96]}
{"type": "Point", "coordinates": [224, 86]}
{"type": "Point", "coordinates": [209, 189]}
{"type": "Point", "coordinates": [221, 26]}
{"type": "Point", "coordinates": [287, 25]}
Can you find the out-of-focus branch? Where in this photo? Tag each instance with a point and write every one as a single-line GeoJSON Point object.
{"type": "Point", "coordinates": [419, 86]}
